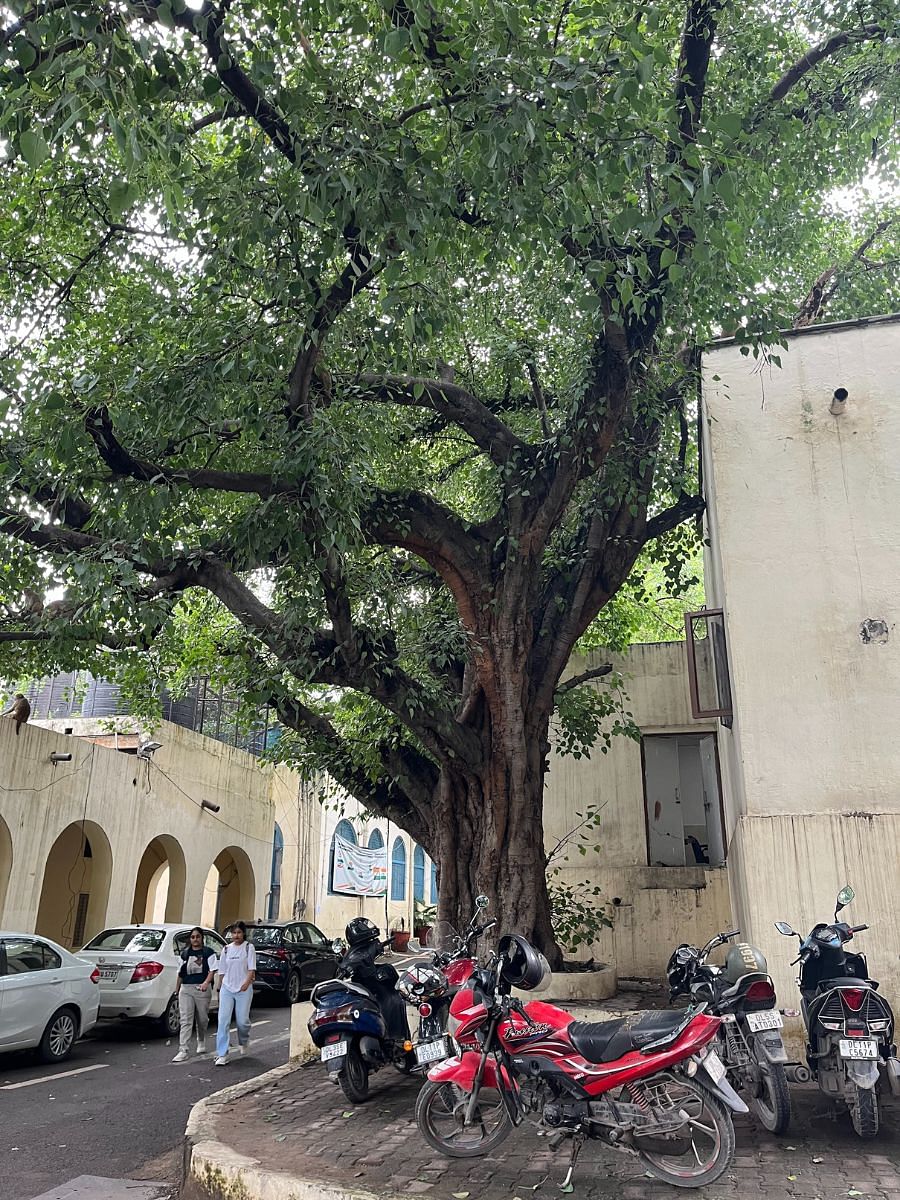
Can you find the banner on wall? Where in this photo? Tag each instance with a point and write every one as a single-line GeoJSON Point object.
{"type": "Point", "coordinates": [358, 871]}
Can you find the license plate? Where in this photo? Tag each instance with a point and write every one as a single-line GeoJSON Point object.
{"type": "Point", "coordinates": [335, 1050]}
{"type": "Point", "coordinates": [858, 1048]}
{"type": "Point", "coordinates": [429, 1052]}
{"type": "Point", "coordinates": [109, 973]}
{"type": "Point", "coordinates": [714, 1066]}
{"type": "Point", "coordinates": [770, 1019]}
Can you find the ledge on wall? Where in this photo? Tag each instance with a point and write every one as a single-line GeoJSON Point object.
{"type": "Point", "coordinates": [598, 984]}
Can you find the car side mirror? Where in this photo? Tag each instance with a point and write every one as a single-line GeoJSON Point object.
{"type": "Point", "coordinates": [339, 946]}
{"type": "Point", "coordinates": [783, 927]}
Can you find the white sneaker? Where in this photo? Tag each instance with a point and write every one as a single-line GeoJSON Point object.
{"type": "Point", "coordinates": [181, 1056]}
{"type": "Point", "coordinates": [201, 1047]}
{"type": "Point", "coordinates": [221, 1061]}
{"type": "Point", "coordinates": [245, 1048]}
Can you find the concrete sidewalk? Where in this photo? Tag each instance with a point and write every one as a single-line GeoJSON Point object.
{"type": "Point", "coordinates": [96, 1187]}
{"type": "Point", "coordinates": [291, 1135]}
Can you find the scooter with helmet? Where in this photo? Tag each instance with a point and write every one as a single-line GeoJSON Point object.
{"type": "Point", "coordinates": [359, 1019]}
{"type": "Point", "coordinates": [652, 1086]}
{"type": "Point", "coordinates": [429, 987]}
{"type": "Point", "coordinates": [742, 994]}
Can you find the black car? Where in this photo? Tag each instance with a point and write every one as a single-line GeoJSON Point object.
{"type": "Point", "coordinates": [291, 958]}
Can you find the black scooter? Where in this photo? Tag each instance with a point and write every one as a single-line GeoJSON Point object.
{"type": "Point", "coordinates": [359, 1021]}
{"type": "Point", "coordinates": [849, 1026]}
{"type": "Point", "coordinates": [750, 1043]}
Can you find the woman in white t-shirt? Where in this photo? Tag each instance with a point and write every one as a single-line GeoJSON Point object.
{"type": "Point", "coordinates": [237, 970]}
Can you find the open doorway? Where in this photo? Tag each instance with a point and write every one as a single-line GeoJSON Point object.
{"type": "Point", "coordinates": [230, 891]}
{"type": "Point", "coordinates": [683, 800]}
{"type": "Point", "coordinates": [160, 883]}
{"type": "Point", "coordinates": [75, 890]}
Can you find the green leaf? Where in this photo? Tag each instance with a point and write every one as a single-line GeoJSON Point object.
{"type": "Point", "coordinates": [33, 148]}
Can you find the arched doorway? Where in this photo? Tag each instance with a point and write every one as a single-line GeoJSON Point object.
{"type": "Point", "coordinates": [75, 890]}
{"type": "Point", "coordinates": [159, 887]}
{"type": "Point", "coordinates": [230, 891]}
{"type": "Point", "coordinates": [5, 863]}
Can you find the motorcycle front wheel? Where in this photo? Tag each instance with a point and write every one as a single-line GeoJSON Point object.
{"type": "Point", "coordinates": [701, 1148]}
{"type": "Point", "coordinates": [440, 1116]}
{"type": "Point", "coordinates": [772, 1104]}
{"type": "Point", "coordinates": [354, 1076]}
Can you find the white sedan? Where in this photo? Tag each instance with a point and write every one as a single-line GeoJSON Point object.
{"type": "Point", "coordinates": [138, 967]}
{"type": "Point", "coordinates": [48, 997]}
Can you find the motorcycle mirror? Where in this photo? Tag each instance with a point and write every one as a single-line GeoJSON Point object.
{"type": "Point", "coordinates": [783, 927]}
{"type": "Point", "coordinates": [482, 902]}
{"type": "Point", "coordinates": [844, 896]}
{"type": "Point", "coordinates": [339, 946]}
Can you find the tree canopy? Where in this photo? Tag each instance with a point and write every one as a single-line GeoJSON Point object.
{"type": "Point", "coordinates": [351, 349]}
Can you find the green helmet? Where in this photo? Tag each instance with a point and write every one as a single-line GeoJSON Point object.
{"type": "Point", "coordinates": [744, 959]}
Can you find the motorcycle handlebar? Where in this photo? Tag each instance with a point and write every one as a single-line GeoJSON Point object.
{"type": "Point", "coordinates": [858, 928]}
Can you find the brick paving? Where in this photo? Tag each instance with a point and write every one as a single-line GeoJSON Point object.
{"type": "Point", "coordinates": [302, 1125]}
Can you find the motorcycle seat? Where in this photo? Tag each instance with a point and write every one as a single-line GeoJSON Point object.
{"type": "Point", "coordinates": [605, 1041]}
{"type": "Point", "coordinates": [331, 986]}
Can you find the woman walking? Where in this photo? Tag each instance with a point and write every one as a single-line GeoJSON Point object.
{"type": "Point", "coordinates": [237, 970]}
{"type": "Point", "coordinates": [194, 991]}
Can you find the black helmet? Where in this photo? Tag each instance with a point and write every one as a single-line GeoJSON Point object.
{"type": "Point", "coordinates": [677, 968]}
{"type": "Point", "coordinates": [421, 982]}
{"type": "Point", "coordinates": [523, 966]}
{"type": "Point", "coordinates": [361, 930]}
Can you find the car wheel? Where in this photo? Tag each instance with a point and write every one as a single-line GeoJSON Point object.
{"type": "Point", "coordinates": [59, 1036]}
{"type": "Point", "coordinates": [170, 1022]}
{"type": "Point", "coordinates": [293, 989]}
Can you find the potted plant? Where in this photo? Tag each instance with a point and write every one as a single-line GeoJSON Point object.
{"type": "Point", "coordinates": [425, 916]}
{"type": "Point", "coordinates": [400, 938]}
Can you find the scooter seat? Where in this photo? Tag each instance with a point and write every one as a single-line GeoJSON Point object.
{"type": "Point", "coordinates": [330, 987]}
{"type": "Point", "coordinates": [605, 1041]}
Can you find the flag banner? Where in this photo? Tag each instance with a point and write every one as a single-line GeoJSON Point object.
{"type": "Point", "coordinates": [358, 871]}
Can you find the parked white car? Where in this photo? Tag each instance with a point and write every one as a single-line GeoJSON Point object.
{"type": "Point", "coordinates": [138, 967]}
{"type": "Point", "coordinates": [48, 997]}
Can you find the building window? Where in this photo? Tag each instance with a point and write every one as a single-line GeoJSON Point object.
{"type": "Point", "coordinates": [347, 833]}
{"type": "Point", "coordinates": [419, 874]}
{"type": "Point", "coordinates": [398, 870]}
{"type": "Point", "coordinates": [376, 841]}
{"type": "Point", "coordinates": [434, 891]}
{"type": "Point", "coordinates": [707, 659]}
{"type": "Point", "coordinates": [683, 800]}
{"type": "Point", "coordinates": [275, 882]}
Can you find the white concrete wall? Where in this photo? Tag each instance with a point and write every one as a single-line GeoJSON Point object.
{"type": "Point", "coordinates": [127, 803]}
{"type": "Point", "coordinates": [658, 907]}
{"type": "Point", "coordinates": [804, 522]}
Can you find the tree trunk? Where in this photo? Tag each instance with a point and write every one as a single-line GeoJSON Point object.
{"type": "Point", "coordinates": [490, 837]}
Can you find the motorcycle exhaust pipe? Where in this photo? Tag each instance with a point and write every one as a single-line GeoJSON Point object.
{"type": "Point", "coordinates": [797, 1073]}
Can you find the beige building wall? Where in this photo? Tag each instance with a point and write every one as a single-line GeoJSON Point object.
{"type": "Point", "coordinates": [106, 825]}
{"type": "Point", "coordinates": [804, 524]}
{"type": "Point", "coordinates": [653, 907]}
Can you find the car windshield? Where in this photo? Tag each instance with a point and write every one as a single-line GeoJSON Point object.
{"type": "Point", "coordinates": [127, 939]}
{"type": "Point", "coordinates": [264, 935]}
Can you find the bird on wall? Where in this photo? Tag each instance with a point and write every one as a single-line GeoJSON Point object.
{"type": "Point", "coordinates": [20, 711]}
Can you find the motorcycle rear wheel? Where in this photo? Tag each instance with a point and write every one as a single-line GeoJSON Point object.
{"type": "Point", "coordinates": [707, 1151]}
{"type": "Point", "coordinates": [354, 1076]}
{"type": "Point", "coordinates": [864, 1112]}
{"type": "Point", "coordinates": [772, 1106]}
{"type": "Point", "coordinates": [440, 1116]}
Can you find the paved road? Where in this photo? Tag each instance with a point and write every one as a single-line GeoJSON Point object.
{"type": "Point", "coordinates": [116, 1108]}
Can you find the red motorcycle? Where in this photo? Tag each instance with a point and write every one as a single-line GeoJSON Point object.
{"type": "Point", "coordinates": [651, 1086]}
{"type": "Point", "coordinates": [431, 987]}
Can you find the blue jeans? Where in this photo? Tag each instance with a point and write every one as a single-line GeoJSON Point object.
{"type": "Point", "coordinates": [237, 1003]}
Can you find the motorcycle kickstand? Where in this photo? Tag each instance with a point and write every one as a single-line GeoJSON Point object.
{"type": "Point", "coordinates": [577, 1143]}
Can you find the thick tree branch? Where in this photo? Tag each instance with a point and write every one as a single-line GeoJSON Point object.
{"type": "Point", "coordinates": [452, 401]}
{"type": "Point", "coordinates": [585, 677]}
{"type": "Point", "coordinates": [825, 287]}
{"type": "Point", "coordinates": [693, 68]}
{"type": "Point", "coordinates": [812, 58]}
{"type": "Point", "coordinates": [670, 518]}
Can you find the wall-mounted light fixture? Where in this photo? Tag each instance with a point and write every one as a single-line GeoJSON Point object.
{"type": "Point", "coordinates": [148, 749]}
{"type": "Point", "coordinates": [208, 804]}
{"type": "Point", "coordinates": [838, 402]}
{"type": "Point", "coordinates": [58, 758]}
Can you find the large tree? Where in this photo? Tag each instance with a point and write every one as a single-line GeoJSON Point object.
{"type": "Point", "coordinates": [351, 347]}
